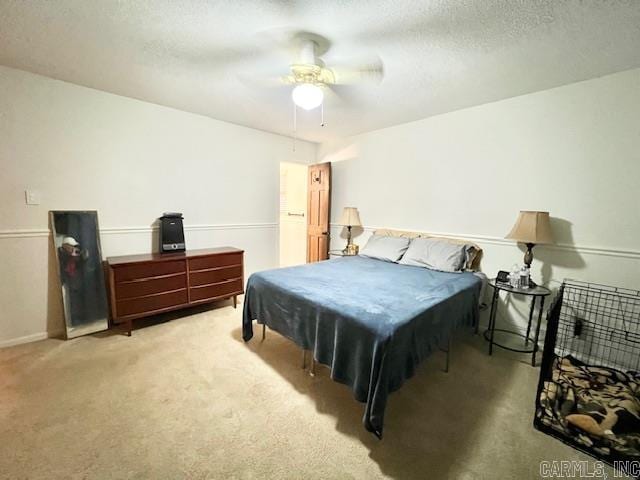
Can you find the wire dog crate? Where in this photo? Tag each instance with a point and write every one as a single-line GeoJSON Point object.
{"type": "Point", "coordinates": [589, 389]}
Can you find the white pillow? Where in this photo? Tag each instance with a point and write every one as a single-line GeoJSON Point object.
{"type": "Point", "coordinates": [389, 249]}
{"type": "Point", "coordinates": [436, 254]}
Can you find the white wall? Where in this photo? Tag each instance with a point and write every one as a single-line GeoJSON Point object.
{"type": "Point", "coordinates": [83, 149]}
{"type": "Point", "coordinates": [573, 150]}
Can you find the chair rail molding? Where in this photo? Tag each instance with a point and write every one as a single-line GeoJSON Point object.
{"type": "Point", "coordinates": [33, 232]}
{"type": "Point", "coordinates": [489, 240]}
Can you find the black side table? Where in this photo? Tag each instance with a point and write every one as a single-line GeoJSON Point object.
{"type": "Point", "coordinates": [535, 293]}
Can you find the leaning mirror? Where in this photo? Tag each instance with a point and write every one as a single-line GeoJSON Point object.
{"type": "Point", "coordinates": [76, 241]}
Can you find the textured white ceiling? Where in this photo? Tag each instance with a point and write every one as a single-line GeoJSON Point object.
{"type": "Point", "coordinates": [439, 55]}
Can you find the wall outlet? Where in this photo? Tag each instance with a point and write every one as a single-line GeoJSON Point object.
{"type": "Point", "coordinates": [32, 197]}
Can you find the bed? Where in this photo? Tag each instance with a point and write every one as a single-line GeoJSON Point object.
{"type": "Point", "coordinates": [371, 322]}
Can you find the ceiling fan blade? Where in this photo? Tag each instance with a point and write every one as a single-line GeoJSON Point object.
{"type": "Point", "coordinates": [264, 71]}
{"type": "Point", "coordinates": [273, 81]}
{"type": "Point", "coordinates": [341, 96]}
{"type": "Point", "coordinates": [332, 97]}
{"type": "Point", "coordinates": [289, 41]}
{"type": "Point", "coordinates": [280, 48]}
{"type": "Point", "coordinates": [372, 71]}
{"type": "Point", "coordinates": [275, 46]}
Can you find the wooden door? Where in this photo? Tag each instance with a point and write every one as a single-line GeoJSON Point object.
{"type": "Point", "coordinates": [318, 204]}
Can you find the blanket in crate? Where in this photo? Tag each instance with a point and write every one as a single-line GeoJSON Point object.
{"type": "Point", "coordinates": [597, 407]}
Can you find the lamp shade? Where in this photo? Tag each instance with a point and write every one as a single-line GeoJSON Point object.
{"type": "Point", "coordinates": [350, 217]}
{"type": "Point", "coordinates": [532, 227]}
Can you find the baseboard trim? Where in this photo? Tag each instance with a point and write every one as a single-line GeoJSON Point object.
{"type": "Point", "coordinates": [488, 240]}
{"type": "Point", "coordinates": [34, 337]}
{"type": "Point", "coordinates": [31, 233]}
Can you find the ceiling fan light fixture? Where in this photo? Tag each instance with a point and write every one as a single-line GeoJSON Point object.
{"type": "Point", "coordinates": [307, 96]}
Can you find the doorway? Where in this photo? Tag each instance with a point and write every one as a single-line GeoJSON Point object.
{"type": "Point", "coordinates": [293, 214]}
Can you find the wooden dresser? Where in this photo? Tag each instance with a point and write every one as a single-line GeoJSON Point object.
{"type": "Point", "coordinates": [144, 285]}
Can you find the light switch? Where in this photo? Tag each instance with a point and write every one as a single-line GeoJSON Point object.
{"type": "Point", "coordinates": [32, 197]}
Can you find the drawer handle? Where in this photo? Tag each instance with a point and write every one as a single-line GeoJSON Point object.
{"type": "Point", "coordinates": [217, 283]}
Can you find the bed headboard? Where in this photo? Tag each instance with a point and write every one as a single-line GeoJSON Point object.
{"type": "Point", "coordinates": [473, 261]}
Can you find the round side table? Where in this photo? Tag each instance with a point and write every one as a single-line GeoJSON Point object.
{"type": "Point", "coordinates": [535, 293]}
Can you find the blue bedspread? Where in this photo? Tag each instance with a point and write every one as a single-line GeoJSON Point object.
{"type": "Point", "coordinates": [370, 321]}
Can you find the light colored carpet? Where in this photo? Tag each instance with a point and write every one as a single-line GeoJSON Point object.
{"type": "Point", "coordinates": [188, 399]}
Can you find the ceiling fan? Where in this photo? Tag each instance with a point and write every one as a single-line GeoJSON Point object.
{"type": "Point", "coordinates": [309, 75]}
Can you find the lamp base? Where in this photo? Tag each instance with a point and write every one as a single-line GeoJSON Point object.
{"type": "Point", "coordinates": [528, 256]}
{"type": "Point", "coordinates": [352, 249]}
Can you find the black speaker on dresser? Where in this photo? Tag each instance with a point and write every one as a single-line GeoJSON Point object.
{"type": "Point", "coordinates": [171, 233]}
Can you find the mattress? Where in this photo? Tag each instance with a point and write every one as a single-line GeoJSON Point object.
{"type": "Point", "coordinates": [372, 322]}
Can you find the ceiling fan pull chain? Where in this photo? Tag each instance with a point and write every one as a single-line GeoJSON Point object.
{"type": "Point", "coordinates": [322, 114]}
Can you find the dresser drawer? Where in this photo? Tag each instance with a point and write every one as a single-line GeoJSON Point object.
{"type": "Point", "coordinates": [151, 303]}
{"type": "Point", "coordinates": [219, 274]}
{"type": "Point", "coordinates": [148, 270]}
{"type": "Point", "coordinates": [222, 289]}
{"type": "Point", "coordinates": [213, 261]}
{"type": "Point", "coordinates": [147, 286]}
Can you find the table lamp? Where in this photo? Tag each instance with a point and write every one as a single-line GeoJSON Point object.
{"type": "Point", "coordinates": [531, 228]}
{"type": "Point", "coordinates": [350, 218]}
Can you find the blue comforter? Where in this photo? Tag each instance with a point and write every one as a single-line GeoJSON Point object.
{"type": "Point", "coordinates": [370, 321]}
